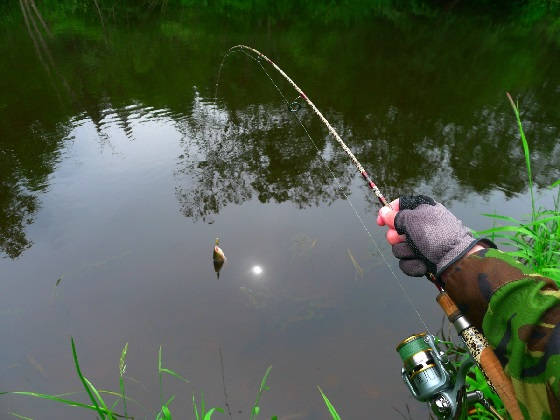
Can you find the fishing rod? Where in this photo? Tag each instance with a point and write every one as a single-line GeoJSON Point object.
{"type": "Point", "coordinates": [427, 372]}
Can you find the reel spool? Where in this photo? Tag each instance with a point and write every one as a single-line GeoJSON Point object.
{"type": "Point", "coordinates": [432, 378]}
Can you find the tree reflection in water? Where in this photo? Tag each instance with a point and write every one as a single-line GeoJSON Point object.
{"type": "Point", "coordinates": [410, 98]}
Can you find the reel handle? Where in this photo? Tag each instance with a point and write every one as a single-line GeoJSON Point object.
{"type": "Point", "coordinates": [482, 354]}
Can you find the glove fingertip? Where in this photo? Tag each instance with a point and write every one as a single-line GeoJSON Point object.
{"type": "Point", "coordinates": [412, 201]}
{"type": "Point", "coordinates": [403, 250]}
{"type": "Point", "coordinates": [399, 223]}
{"type": "Point", "coordinates": [413, 268]}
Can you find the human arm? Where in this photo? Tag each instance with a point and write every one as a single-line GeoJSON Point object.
{"type": "Point", "coordinates": [518, 311]}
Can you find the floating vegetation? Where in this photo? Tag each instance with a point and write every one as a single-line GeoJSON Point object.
{"type": "Point", "coordinates": [38, 367]}
{"type": "Point", "coordinates": [302, 245]}
{"type": "Point", "coordinates": [359, 270]}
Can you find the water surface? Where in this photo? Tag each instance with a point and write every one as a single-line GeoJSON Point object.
{"type": "Point", "coordinates": [119, 168]}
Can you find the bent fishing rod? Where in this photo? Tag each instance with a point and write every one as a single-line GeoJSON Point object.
{"type": "Point", "coordinates": [426, 371]}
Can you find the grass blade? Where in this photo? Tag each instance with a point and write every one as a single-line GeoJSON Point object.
{"type": "Point", "coordinates": [499, 216]}
{"type": "Point", "coordinates": [208, 415]}
{"type": "Point", "coordinates": [79, 372]}
{"type": "Point", "coordinates": [195, 409]}
{"type": "Point", "coordinates": [525, 151]}
{"type": "Point", "coordinates": [99, 398]}
{"type": "Point", "coordinates": [19, 416]}
{"type": "Point", "coordinates": [60, 400]}
{"type": "Point", "coordinates": [174, 374]}
{"type": "Point", "coordinates": [255, 410]}
{"type": "Point", "coordinates": [122, 370]}
{"type": "Point", "coordinates": [331, 408]}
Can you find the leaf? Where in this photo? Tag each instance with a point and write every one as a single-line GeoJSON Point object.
{"type": "Point", "coordinates": [195, 408]}
{"type": "Point", "coordinates": [331, 408]}
{"type": "Point", "coordinates": [517, 229]}
{"type": "Point", "coordinates": [79, 372]}
{"type": "Point", "coordinates": [208, 416]}
{"type": "Point", "coordinates": [19, 416]}
{"type": "Point", "coordinates": [175, 374]}
{"type": "Point", "coordinates": [525, 151]}
{"type": "Point", "coordinates": [256, 409]}
{"type": "Point", "coordinates": [98, 395]}
{"type": "Point", "coordinates": [557, 183]}
{"type": "Point", "coordinates": [166, 414]}
{"type": "Point", "coordinates": [57, 399]}
{"type": "Point", "coordinates": [499, 216]}
{"type": "Point", "coordinates": [265, 377]}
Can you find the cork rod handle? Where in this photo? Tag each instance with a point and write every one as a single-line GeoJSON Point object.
{"type": "Point", "coordinates": [484, 356]}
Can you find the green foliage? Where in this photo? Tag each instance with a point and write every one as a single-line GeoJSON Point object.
{"type": "Point", "coordinates": [164, 413]}
{"type": "Point", "coordinates": [98, 403]}
{"type": "Point", "coordinates": [204, 415]}
{"type": "Point", "coordinates": [536, 243]}
{"type": "Point", "coordinates": [122, 370]}
{"type": "Point", "coordinates": [263, 387]}
{"type": "Point", "coordinates": [476, 380]}
{"type": "Point", "coordinates": [19, 416]}
{"type": "Point", "coordinates": [331, 408]}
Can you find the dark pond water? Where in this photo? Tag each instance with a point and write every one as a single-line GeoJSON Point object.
{"type": "Point", "coordinates": [118, 170]}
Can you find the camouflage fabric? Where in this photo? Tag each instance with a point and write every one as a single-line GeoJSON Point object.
{"type": "Point", "coordinates": [519, 313]}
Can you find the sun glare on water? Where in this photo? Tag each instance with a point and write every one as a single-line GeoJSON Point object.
{"type": "Point", "coordinates": [256, 270]}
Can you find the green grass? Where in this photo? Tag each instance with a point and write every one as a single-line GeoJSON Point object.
{"type": "Point", "coordinates": [332, 411]}
{"type": "Point", "coordinates": [534, 241]}
{"type": "Point", "coordinates": [475, 380]}
{"type": "Point", "coordinates": [99, 405]}
{"type": "Point", "coordinates": [122, 370]}
{"type": "Point", "coordinates": [97, 402]}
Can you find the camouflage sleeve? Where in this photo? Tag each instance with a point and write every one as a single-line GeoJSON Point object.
{"type": "Point", "coordinates": [519, 313]}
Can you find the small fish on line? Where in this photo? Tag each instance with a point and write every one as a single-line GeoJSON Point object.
{"type": "Point", "coordinates": [218, 257]}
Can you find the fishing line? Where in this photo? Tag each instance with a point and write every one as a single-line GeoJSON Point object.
{"type": "Point", "coordinates": [294, 108]}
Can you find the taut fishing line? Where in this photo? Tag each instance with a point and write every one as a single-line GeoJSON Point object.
{"type": "Point", "coordinates": [293, 106]}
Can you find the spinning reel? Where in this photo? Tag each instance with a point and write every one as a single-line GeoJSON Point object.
{"type": "Point", "coordinates": [431, 377]}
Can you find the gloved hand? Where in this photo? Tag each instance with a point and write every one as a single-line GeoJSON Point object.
{"type": "Point", "coordinates": [426, 237]}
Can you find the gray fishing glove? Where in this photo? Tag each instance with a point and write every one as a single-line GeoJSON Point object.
{"type": "Point", "coordinates": [435, 238]}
